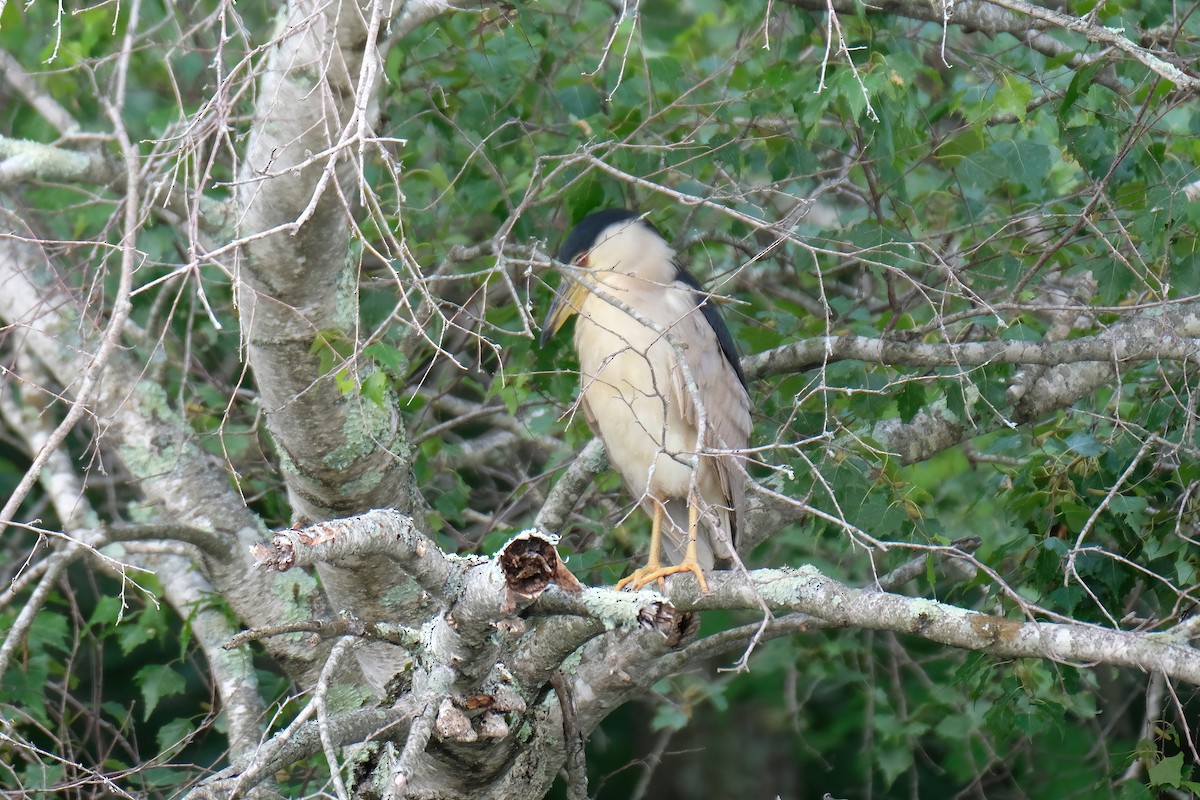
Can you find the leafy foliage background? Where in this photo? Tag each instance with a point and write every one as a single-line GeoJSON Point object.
{"type": "Point", "coordinates": [945, 185]}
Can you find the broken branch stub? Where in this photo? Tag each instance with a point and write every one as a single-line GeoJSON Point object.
{"type": "Point", "coordinates": [530, 563]}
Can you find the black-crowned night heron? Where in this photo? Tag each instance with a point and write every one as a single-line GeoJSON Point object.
{"type": "Point", "coordinates": [660, 385]}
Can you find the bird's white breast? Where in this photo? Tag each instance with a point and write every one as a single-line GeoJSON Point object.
{"type": "Point", "coordinates": [629, 379]}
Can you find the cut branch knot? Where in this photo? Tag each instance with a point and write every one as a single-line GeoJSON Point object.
{"type": "Point", "coordinates": [531, 563]}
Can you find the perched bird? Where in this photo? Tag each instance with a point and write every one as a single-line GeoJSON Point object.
{"type": "Point", "coordinates": [661, 386]}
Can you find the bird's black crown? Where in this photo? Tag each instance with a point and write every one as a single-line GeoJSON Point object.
{"type": "Point", "coordinates": [583, 236]}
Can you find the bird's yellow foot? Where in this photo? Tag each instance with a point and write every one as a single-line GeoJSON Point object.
{"type": "Point", "coordinates": [649, 573]}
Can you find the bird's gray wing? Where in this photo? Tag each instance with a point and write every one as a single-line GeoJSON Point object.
{"type": "Point", "coordinates": [720, 391]}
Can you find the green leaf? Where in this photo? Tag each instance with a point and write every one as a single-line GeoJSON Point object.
{"type": "Point", "coordinates": [40, 776]}
{"type": "Point", "coordinates": [588, 197]}
{"type": "Point", "coordinates": [108, 611]}
{"type": "Point", "coordinates": [1084, 444]}
{"type": "Point", "coordinates": [118, 711]}
{"type": "Point", "coordinates": [956, 404]}
{"type": "Point", "coordinates": [1132, 509]}
{"type": "Point", "coordinates": [375, 388]}
{"type": "Point", "coordinates": [1014, 96]}
{"type": "Point", "coordinates": [1055, 545]}
{"type": "Point", "coordinates": [955, 149]}
{"type": "Point", "coordinates": [1021, 162]}
{"type": "Point", "coordinates": [893, 762]}
{"type": "Point", "coordinates": [156, 682]}
{"type": "Point", "coordinates": [669, 717]}
{"type": "Point", "coordinates": [174, 733]}
{"type": "Point", "coordinates": [49, 630]}
{"type": "Point", "coordinates": [1074, 514]}
{"type": "Point", "coordinates": [131, 635]}
{"type": "Point", "coordinates": [1167, 772]}
{"type": "Point", "coordinates": [910, 400]}
{"type": "Point", "coordinates": [392, 359]}
{"type": "Point", "coordinates": [331, 346]}
{"type": "Point", "coordinates": [1080, 83]}
{"type": "Point", "coordinates": [1135, 791]}
{"type": "Point", "coordinates": [1113, 281]}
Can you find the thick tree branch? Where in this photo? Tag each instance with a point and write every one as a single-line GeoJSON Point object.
{"type": "Point", "coordinates": [298, 291]}
{"type": "Point", "coordinates": [152, 441]}
{"type": "Point", "coordinates": [1102, 35]}
{"type": "Point", "coordinates": [808, 591]}
{"type": "Point", "coordinates": [298, 283]}
{"type": "Point", "coordinates": [622, 649]}
{"type": "Point", "coordinates": [1028, 24]}
{"type": "Point", "coordinates": [383, 531]}
{"type": "Point", "coordinates": [936, 428]}
{"type": "Point", "coordinates": [813, 600]}
{"type": "Point", "coordinates": [1117, 347]}
{"type": "Point", "coordinates": [22, 161]}
{"type": "Point", "coordinates": [951, 560]}
{"type": "Point", "coordinates": [460, 668]}
{"type": "Point", "coordinates": [291, 745]}
{"type": "Point", "coordinates": [39, 99]}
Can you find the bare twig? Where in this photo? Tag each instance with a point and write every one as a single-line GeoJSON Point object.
{"type": "Point", "coordinates": [415, 743]}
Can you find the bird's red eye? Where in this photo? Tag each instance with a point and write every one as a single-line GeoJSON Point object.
{"type": "Point", "coordinates": [581, 259]}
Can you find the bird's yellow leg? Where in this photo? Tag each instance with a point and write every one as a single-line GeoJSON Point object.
{"type": "Point", "coordinates": [654, 571]}
{"type": "Point", "coordinates": [690, 563]}
{"type": "Point", "coordinates": [638, 578]}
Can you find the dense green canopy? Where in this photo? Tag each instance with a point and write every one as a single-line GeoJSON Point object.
{"type": "Point", "coordinates": [261, 271]}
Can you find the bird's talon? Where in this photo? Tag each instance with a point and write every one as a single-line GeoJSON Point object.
{"type": "Point", "coordinates": [645, 575]}
{"type": "Point", "coordinates": [639, 578]}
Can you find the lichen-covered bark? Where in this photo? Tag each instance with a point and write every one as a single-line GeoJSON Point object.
{"type": "Point", "coordinates": [180, 483]}
{"type": "Point", "coordinates": [500, 730]}
{"type": "Point", "coordinates": [340, 453]}
{"type": "Point", "coordinates": [1072, 376]}
{"type": "Point", "coordinates": [297, 279]}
